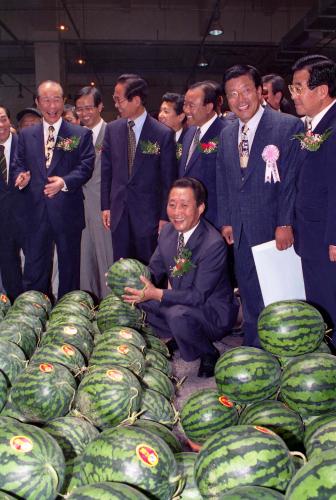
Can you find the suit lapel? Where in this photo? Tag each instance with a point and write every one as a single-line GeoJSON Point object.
{"type": "Point", "coordinates": [100, 137]}
{"type": "Point", "coordinates": [235, 151]}
{"type": "Point", "coordinates": [39, 148]}
{"type": "Point", "coordinates": [59, 152]}
{"type": "Point", "coordinates": [185, 149]}
{"type": "Point", "coordinates": [210, 134]}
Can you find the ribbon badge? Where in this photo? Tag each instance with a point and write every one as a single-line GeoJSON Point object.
{"type": "Point", "coordinates": [270, 155]}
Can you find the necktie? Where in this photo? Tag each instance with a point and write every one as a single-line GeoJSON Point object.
{"type": "Point", "coordinates": [50, 144]}
{"type": "Point", "coordinates": [244, 147]}
{"type": "Point", "coordinates": [194, 144]}
{"type": "Point", "coordinates": [3, 163]}
{"type": "Point", "coordinates": [180, 245]}
{"type": "Point", "coordinates": [308, 124]}
{"type": "Point", "coordinates": [131, 146]}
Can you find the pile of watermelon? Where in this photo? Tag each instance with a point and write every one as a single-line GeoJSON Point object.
{"type": "Point", "coordinates": [87, 405]}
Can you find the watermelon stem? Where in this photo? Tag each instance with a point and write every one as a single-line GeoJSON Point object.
{"type": "Point", "coordinates": [180, 382]}
{"type": "Point", "coordinates": [300, 455]}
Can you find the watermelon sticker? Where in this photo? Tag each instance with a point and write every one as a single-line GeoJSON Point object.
{"type": "Point", "coordinates": [147, 455]}
{"type": "Point", "coordinates": [21, 443]}
{"type": "Point", "coordinates": [123, 349]}
{"type": "Point", "coordinates": [46, 367]}
{"type": "Point", "coordinates": [70, 330]}
{"type": "Point", "coordinates": [225, 401]}
{"type": "Point", "coordinates": [125, 334]}
{"type": "Point", "coordinates": [263, 429]}
{"type": "Point", "coordinates": [36, 305]}
{"type": "Point", "coordinates": [115, 375]}
{"type": "Point", "coordinates": [68, 350]}
{"type": "Point", "coordinates": [3, 298]}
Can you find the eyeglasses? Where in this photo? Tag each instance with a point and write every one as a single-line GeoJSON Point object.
{"type": "Point", "coordinates": [119, 100]}
{"type": "Point", "coordinates": [49, 100]}
{"type": "Point", "coordinates": [84, 108]}
{"type": "Point", "coordinates": [298, 89]}
{"type": "Point", "coordinates": [236, 93]}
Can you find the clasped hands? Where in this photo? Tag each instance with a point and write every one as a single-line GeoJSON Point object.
{"type": "Point", "coordinates": [149, 292]}
{"type": "Point", "coordinates": [55, 183]}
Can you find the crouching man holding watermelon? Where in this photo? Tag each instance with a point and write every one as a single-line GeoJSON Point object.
{"type": "Point", "coordinates": [197, 307]}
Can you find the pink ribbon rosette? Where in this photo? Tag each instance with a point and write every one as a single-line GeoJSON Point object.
{"type": "Point", "coordinates": [270, 155]}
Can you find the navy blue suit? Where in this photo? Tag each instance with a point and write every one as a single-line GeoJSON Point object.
{"type": "Point", "coordinates": [59, 219]}
{"type": "Point", "coordinates": [200, 307]}
{"type": "Point", "coordinates": [202, 166]}
{"type": "Point", "coordinates": [138, 203]}
{"type": "Point", "coordinates": [254, 208]}
{"type": "Point", "coordinates": [315, 219]}
{"type": "Point", "coordinates": [12, 231]}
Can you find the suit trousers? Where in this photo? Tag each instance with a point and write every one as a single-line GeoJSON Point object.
{"type": "Point", "coordinates": [39, 256]}
{"type": "Point", "coordinates": [193, 333]}
{"type": "Point", "coordinates": [127, 243]}
{"type": "Point", "coordinates": [249, 289]}
{"type": "Point", "coordinates": [320, 285]}
{"type": "Point", "coordinates": [10, 265]}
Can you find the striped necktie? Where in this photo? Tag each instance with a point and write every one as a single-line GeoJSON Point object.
{"type": "Point", "coordinates": [244, 147]}
{"type": "Point", "coordinates": [49, 146]}
{"type": "Point", "coordinates": [194, 144]}
{"type": "Point", "coordinates": [3, 163]}
{"type": "Point", "coordinates": [308, 125]}
{"type": "Point", "coordinates": [131, 146]}
{"type": "Point", "coordinates": [180, 245]}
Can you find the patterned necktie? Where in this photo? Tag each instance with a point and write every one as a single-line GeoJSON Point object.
{"type": "Point", "coordinates": [308, 124]}
{"type": "Point", "coordinates": [194, 144]}
{"type": "Point", "coordinates": [3, 163]}
{"type": "Point", "coordinates": [50, 144]}
{"type": "Point", "coordinates": [131, 146]}
{"type": "Point", "coordinates": [180, 245]}
{"type": "Point", "coordinates": [244, 147]}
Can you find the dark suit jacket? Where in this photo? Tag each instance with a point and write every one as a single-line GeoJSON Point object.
{"type": "Point", "coordinates": [206, 286]}
{"type": "Point", "coordinates": [251, 203]}
{"type": "Point", "coordinates": [144, 194]}
{"type": "Point", "coordinates": [315, 207]}
{"type": "Point", "coordinates": [202, 166]}
{"type": "Point", "coordinates": [65, 210]}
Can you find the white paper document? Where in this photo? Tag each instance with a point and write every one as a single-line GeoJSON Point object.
{"type": "Point", "coordinates": [279, 272]}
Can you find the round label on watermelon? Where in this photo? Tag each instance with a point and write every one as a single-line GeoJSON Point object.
{"type": "Point", "coordinates": [3, 298]}
{"type": "Point", "coordinates": [123, 349]}
{"type": "Point", "coordinates": [70, 330]}
{"type": "Point", "coordinates": [225, 401]}
{"type": "Point", "coordinates": [68, 350]}
{"type": "Point", "coordinates": [115, 375]}
{"type": "Point", "coordinates": [263, 429]}
{"type": "Point", "coordinates": [21, 443]}
{"type": "Point", "coordinates": [147, 455]}
{"type": "Point", "coordinates": [36, 305]}
{"type": "Point", "coordinates": [46, 367]}
{"type": "Point", "coordinates": [125, 335]}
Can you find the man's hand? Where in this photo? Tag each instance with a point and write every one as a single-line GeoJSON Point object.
{"type": "Point", "coordinates": [284, 237]}
{"type": "Point", "coordinates": [106, 218]}
{"type": "Point", "coordinates": [227, 233]}
{"type": "Point", "coordinates": [22, 180]}
{"type": "Point", "coordinates": [332, 253]}
{"type": "Point", "coordinates": [149, 292]}
{"type": "Point", "coordinates": [54, 186]}
{"type": "Point", "coordinates": [161, 224]}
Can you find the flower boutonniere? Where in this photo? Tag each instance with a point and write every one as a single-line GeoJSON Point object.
{"type": "Point", "coordinates": [99, 148]}
{"type": "Point", "coordinates": [178, 150]}
{"type": "Point", "coordinates": [150, 148]}
{"type": "Point", "coordinates": [183, 264]}
{"type": "Point", "coordinates": [209, 147]}
{"type": "Point", "coordinates": [69, 143]}
{"type": "Point", "coordinates": [311, 141]}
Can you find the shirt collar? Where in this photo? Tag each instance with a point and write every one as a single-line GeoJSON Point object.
{"type": "Point", "coordinates": [140, 120]}
{"type": "Point", "coordinates": [317, 118]}
{"type": "Point", "coordinates": [8, 143]}
{"type": "Point", "coordinates": [187, 234]}
{"type": "Point", "coordinates": [56, 125]}
{"type": "Point", "coordinates": [254, 121]}
{"type": "Point", "coordinates": [205, 127]}
{"type": "Point", "coordinates": [96, 130]}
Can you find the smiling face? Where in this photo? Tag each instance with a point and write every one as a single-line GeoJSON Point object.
{"type": "Point", "coordinates": [243, 97]}
{"type": "Point", "coordinates": [169, 117]}
{"type": "Point", "coordinates": [88, 113]}
{"type": "Point", "coordinates": [196, 111]}
{"type": "Point", "coordinates": [130, 109]}
{"type": "Point", "coordinates": [182, 209]}
{"type": "Point", "coordinates": [50, 101]}
{"type": "Point", "coordinates": [307, 101]}
{"type": "Point", "coordinates": [4, 126]}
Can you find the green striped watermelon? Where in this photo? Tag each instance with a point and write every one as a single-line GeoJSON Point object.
{"type": "Point", "coordinates": [43, 392]}
{"type": "Point", "coordinates": [133, 456]}
{"type": "Point", "coordinates": [115, 312]}
{"type": "Point", "coordinates": [32, 463]}
{"type": "Point", "coordinates": [77, 320]}
{"type": "Point", "coordinates": [5, 303]}
{"type": "Point", "coordinates": [247, 374]}
{"type": "Point", "coordinates": [290, 328]}
{"type": "Point", "coordinates": [10, 411]}
{"type": "Point", "coordinates": [154, 359]}
{"type": "Point", "coordinates": [78, 296]}
{"type": "Point", "coordinates": [33, 296]}
{"type": "Point", "coordinates": [162, 431]}
{"type": "Point", "coordinates": [186, 463]}
{"type": "Point", "coordinates": [315, 480]}
{"type": "Point", "coordinates": [252, 493]}
{"type": "Point", "coordinates": [124, 334]}
{"type": "Point", "coordinates": [70, 307]}
{"type": "Point", "coordinates": [114, 352]}
{"type": "Point", "coordinates": [243, 455]}
{"type": "Point", "coordinates": [279, 418]}
{"type": "Point", "coordinates": [315, 423]}
{"type": "Point", "coordinates": [126, 272]}
{"type": "Point", "coordinates": [323, 439]}
{"type": "Point", "coordinates": [108, 396]}
{"type": "Point", "coordinates": [65, 354]}
{"type": "Point", "coordinates": [158, 381]}
{"type": "Point", "coordinates": [156, 344]}
{"type": "Point", "coordinates": [73, 434]}
{"type": "Point", "coordinates": [22, 320]}
{"type": "Point", "coordinates": [12, 360]}
{"type": "Point", "coordinates": [72, 334]}
{"type": "Point", "coordinates": [107, 491]}
{"type": "Point", "coordinates": [308, 384]}
{"type": "Point", "coordinates": [206, 412]}
{"type": "Point", "coordinates": [20, 334]}
{"type": "Point", "coordinates": [30, 309]}
{"type": "Point", "coordinates": [3, 390]}
{"type": "Point", "coordinates": [156, 407]}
